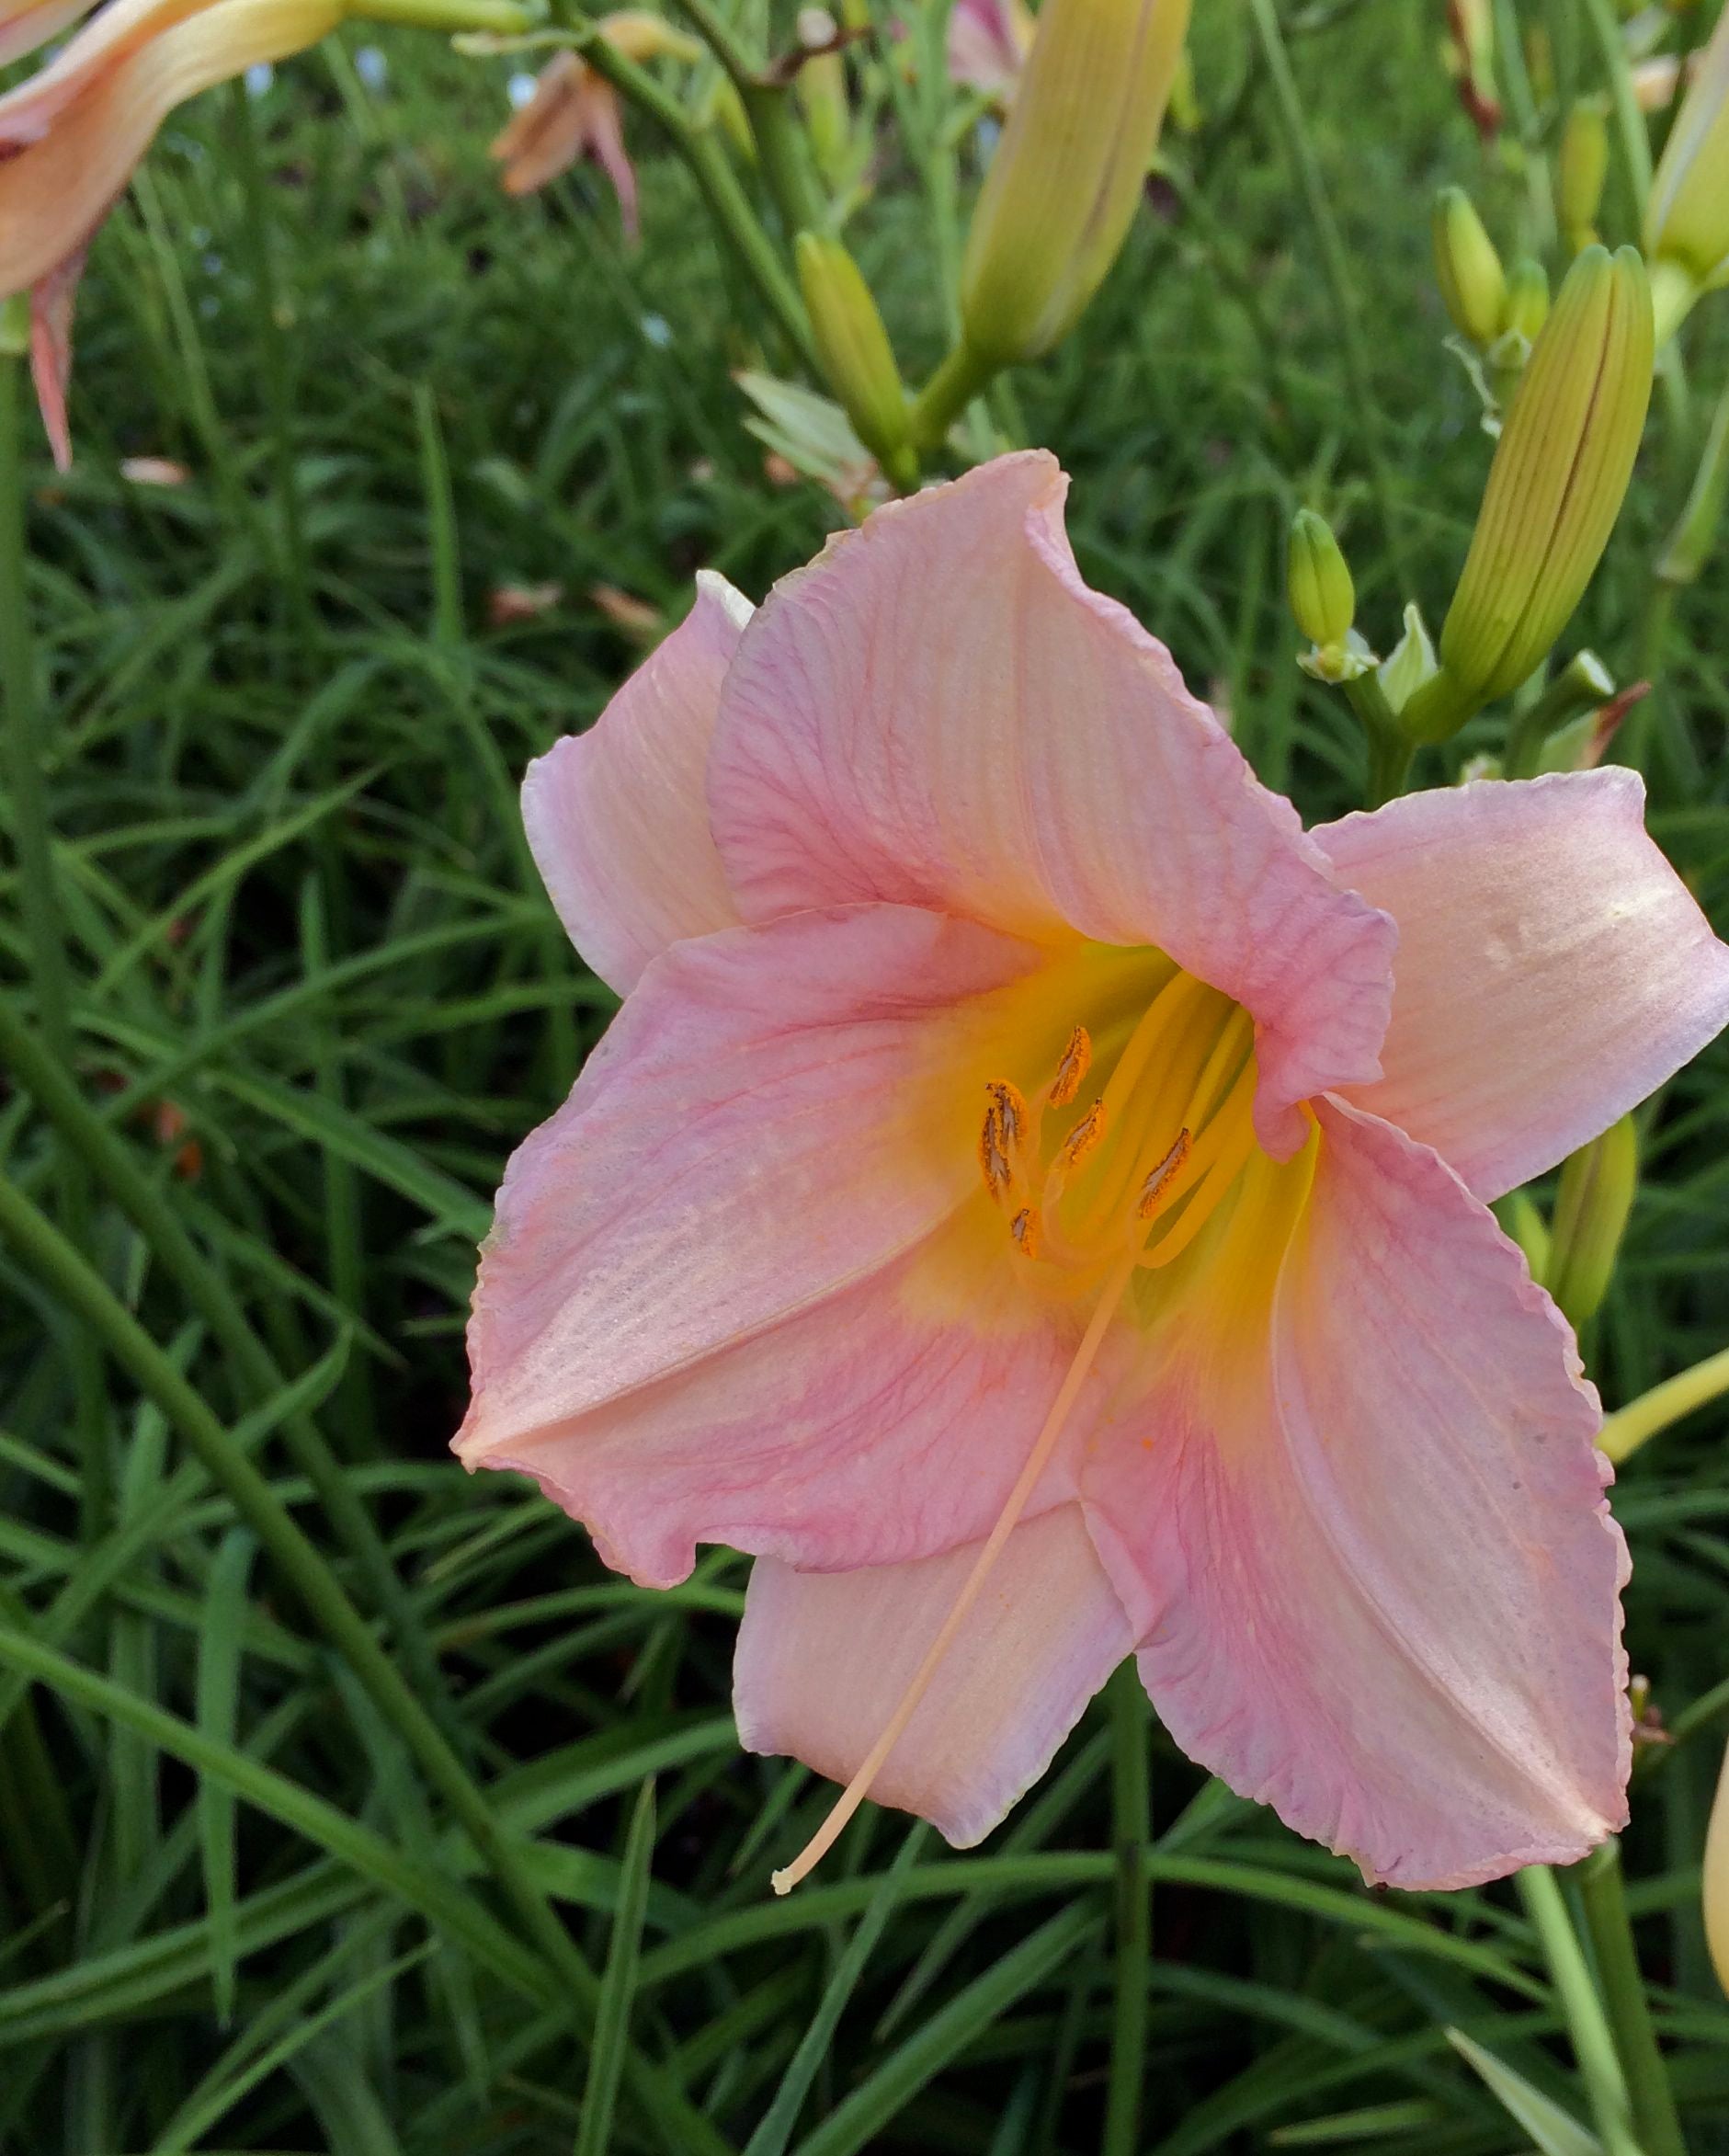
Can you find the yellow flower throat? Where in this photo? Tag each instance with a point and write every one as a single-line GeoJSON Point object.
{"type": "Point", "coordinates": [1083, 1173]}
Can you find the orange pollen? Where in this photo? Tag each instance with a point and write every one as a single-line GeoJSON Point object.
{"type": "Point", "coordinates": [1001, 1139]}
{"type": "Point", "coordinates": [1083, 1137]}
{"type": "Point", "coordinates": [1024, 1230]}
{"type": "Point", "coordinates": [1160, 1181]}
{"type": "Point", "coordinates": [1077, 1060]}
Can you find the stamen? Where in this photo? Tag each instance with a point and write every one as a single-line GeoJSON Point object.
{"type": "Point", "coordinates": [1003, 1138]}
{"type": "Point", "coordinates": [1155, 1187]}
{"type": "Point", "coordinates": [858, 1788]}
{"type": "Point", "coordinates": [1024, 1229]}
{"type": "Point", "coordinates": [1077, 1060]}
{"type": "Point", "coordinates": [1011, 1110]}
{"type": "Point", "coordinates": [1083, 1137]}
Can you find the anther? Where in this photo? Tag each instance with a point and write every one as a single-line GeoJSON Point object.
{"type": "Point", "coordinates": [1001, 1139]}
{"type": "Point", "coordinates": [1160, 1181]}
{"type": "Point", "coordinates": [1077, 1060]}
{"type": "Point", "coordinates": [1082, 1139]}
{"type": "Point", "coordinates": [1024, 1229]}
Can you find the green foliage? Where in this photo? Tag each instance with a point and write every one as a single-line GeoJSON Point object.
{"type": "Point", "coordinates": [323, 1767]}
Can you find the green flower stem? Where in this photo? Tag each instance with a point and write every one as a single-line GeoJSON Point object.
{"type": "Point", "coordinates": [1335, 268]}
{"type": "Point", "coordinates": [1626, 1431]}
{"type": "Point", "coordinates": [501, 17]}
{"type": "Point", "coordinates": [1131, 1830]}
{"type": "Point", "coordinates": [21, 727]}
{"type": "Point", "coordinates": [1657, 2127]}
{"type": "Point", "coordinates": [1593, 2046]}
{"type": "Point", "coordinates": [31, 1063]}
{"type": "Point", "coordinates": [704, 153]}
{"type": "Point", "coordinates": [1389, 746]}
{"type": "Point", "coordinates": [54, 1261]}
{"type": "Point", "coordinates": [962, 377]}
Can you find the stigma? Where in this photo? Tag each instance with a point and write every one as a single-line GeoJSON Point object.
{"type": "Point", "coordinates": [1135, 1176]}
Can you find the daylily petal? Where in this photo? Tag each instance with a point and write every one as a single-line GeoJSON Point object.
{"type": "Point", "coordinates": [939, 712]}
{"type": "Point", "coordinates": [617, 817]}
{"type": "Point", "coordinates": [824, 1660]}
{"type": "Point", "coordinates": [709, 1308]}
{"type": "Point", "coordinates": [1372, 1566]}
{"type": "Point", "coordinates": [1552, 968]}
{"type": "Point", "coordinates": [27, 24]}
{"type": "Point", "coordinates": [52, 302]}
{"type": "Point", "coordinates": [105, 95]}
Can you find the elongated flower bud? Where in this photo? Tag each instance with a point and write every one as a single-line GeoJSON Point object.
{"type": "Point", "coordinates": [855, 350]}
{"type": "Point", "coordinates": [1583, 167]}
{"type": "Point", "coordinates": [1592, 1207]}
{"type": "Point", "coordinates": [1687, 216]}
{"type": "Point", "coordinates": [1555, 488]}
{"type": "Point", "coordinates": [1062, 191]}
{"type": "Point", "coordinates": [1717, 1880]}
{"type": "Point", "coordinates": [1467, 268]}
{"type": "Point", "coordinates": [1323, 598]}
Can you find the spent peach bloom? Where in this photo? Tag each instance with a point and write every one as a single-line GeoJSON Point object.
{"type": "Point", "coordinates": [576, 113]}
{"type": "Point", "coordinates": [1035, 1199]}
{"type": "Point", "coordinates": [72, 134]}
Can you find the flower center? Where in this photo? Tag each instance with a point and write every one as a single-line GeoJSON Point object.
{"type": "Point", "coordinates": [1132, 1144]}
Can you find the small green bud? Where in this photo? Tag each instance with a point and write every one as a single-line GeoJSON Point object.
{"type": "Point", "coordinates": [1583, 167]}
{"type": "Point", "coordinates": [1472, 283]}
{"type": "Point", "coordinates": [1687, 213]}
{"type": "Point", "coordinates": [1519, 1217]}
{"type": "Point", "coordinates": [821, 89]}
{"type": "Point", "coordinates": [1527, 307]}
{"type": "Point", "coordinates": [856, 357]}
{"type": "Point", "coordinates": [1592, 1207]}
{"type": "Point", "coordinates": [1323, 598]}
{"type": "Point", "coordinates": [1555, 489]}
{"type": "Point", "coordinates": [1064, 183]}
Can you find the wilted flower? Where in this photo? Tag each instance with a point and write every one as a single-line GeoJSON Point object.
{"type": "Point", "coordinates": [988, 44]}
{"type": "Point", "coordinates": [576, 113]}
{"type": "Point", "coordinates": [1034, 1199]}
{"type": "Point", "coordinates": [70, 137]}
{"type": "Point", "coordinates": [1471, 57]}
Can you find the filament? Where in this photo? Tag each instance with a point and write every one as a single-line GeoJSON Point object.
{"type": "Point", "coordinates": [858, 1788]}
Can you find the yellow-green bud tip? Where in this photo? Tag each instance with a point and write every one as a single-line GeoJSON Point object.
{"type": "Point", "coordinates": [1592, 1207]}
{"type": "Point", "coordinates": [854, 347]}
{"type": "Point", "coordinates": [1323, 599]}
{"type": "Point", "coordinates": [1467, 268]}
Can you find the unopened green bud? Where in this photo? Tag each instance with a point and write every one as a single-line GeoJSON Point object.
{"type": "Point", "coordinates": [1323, 598]}
{"type": "Point", "coordinates": [1519, 1217]}
{"type": "Point", "coordinates": [1583, 169]}
{"type": "Point", "coordinates": [1592, 1207]}
{"type": "Point", "coordinates": [1467, 268]}
{"type": "Point", "coordinates": [1555, 488]}
{"type": "Point", "coordinates": [1687, 215]}
{"type": "Point", "coordinates": [1527, 299]}
{"type": "Point", "coordinates": [1062, 188]}
{"type": "Point", "coordinates": [855, 350]}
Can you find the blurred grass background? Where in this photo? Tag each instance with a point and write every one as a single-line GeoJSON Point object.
{"type": "Point", "coordinates": [317, 995]}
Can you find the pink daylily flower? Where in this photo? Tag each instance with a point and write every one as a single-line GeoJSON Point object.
{"type": "Point", "coordinates": [1035, 1197]}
